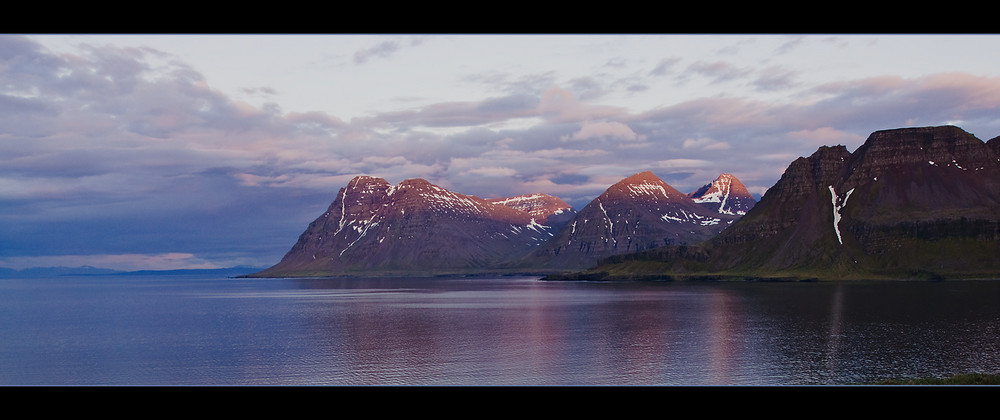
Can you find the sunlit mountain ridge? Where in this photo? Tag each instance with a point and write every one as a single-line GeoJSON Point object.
{"type": "Point", "coordinates": [418, 228]}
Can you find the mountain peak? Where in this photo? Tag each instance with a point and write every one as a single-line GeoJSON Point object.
{"type": "Point", "coordinates": [364, 181]}
{"type": "Point", "coordinates": [416, 226]}
{"type": "Point", "coordinates": [415, 183]}
{"type": "Point", "coordinates": [643, 185]}
{"type": "Point", "coordinates": [367, 179]}
{"type": "Point", "coordinates": [909, 203]}
{"type": "Point", "coordinates": [725, 195]}
{"type": "Point", "coordinates": [921, 136]}
{"type": "Point", "coordinates": [942, 147]}
{"type": "Point", "coordinates": [903, 192]}
{"type": "Point", "coordinates": [646, 177]}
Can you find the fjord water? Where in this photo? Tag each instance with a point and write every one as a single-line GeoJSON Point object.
{"type": "Point", "coordinates": [201, 330]}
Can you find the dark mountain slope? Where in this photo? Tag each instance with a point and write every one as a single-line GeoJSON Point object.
{"type": "Point", "coordinates": [915, 202]}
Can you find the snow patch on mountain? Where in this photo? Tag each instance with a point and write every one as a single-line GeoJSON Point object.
{"type": "Point", "coordinates": [730, 194]}
{"type": "Point", "coordinates": [837, 207]}
{"type": "Point", "coordinates": [694, 218]}
{"type": "Point", "coordinates": [647, 188]}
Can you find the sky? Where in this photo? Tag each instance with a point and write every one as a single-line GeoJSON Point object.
{"type": "Point", "coordinates": [206, 151]}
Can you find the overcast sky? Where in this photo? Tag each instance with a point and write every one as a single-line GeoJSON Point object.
{"type": "Point", "coordinates": [202, 151]}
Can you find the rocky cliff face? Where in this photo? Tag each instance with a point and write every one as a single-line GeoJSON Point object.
{"type": "Point", "coordinates": [414, 227]}
{"type": "Point", "coordinates": [791, 216]}
{"type": "Point", "coordinates": [913, 202]}
{"type": "Point", "coordinates": [638, 213]}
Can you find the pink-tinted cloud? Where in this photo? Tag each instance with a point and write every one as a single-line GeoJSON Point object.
{"type": "Point", "coordinates": [775, 78]}
{"type": "Point", "coordinates": [95, 146]}
{"type": "Point", "coordinates": [493, 171]}
{"type": "Point", "coordinates": [824, 136]}
{"type": "Point", "coordinates": [126, 262]}
{"type": "Point", "coordinates": [460, 114]}
{"type": "Point", "coordinates": [561, 105]}
{"type": "Point", "coordinates": [705, 143]}
{"type": "Point", "coordinates": [891, 101]}
{"type": "Point", "coordinates": [315, 118]}
{"type": "Point", "coordinates": [968, 92]}
{"type": "Point", "coordinates": [604, 129]}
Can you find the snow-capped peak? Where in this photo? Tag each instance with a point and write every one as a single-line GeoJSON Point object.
{"type": "Point", "coordinates": [726, 195]}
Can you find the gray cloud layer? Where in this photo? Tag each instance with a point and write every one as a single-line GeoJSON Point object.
{"type": "Point", "coordinates": [129, 151]}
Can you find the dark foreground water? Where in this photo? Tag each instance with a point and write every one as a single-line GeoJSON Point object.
{"type": "Point", "coordinates": [196, 330]}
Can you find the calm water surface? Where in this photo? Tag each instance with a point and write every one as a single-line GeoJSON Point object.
{"type": "Point", "coordinates": [197, 330]}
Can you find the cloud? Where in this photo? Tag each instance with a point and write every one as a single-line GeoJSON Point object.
{"type": "Point", "coordinates": [263, 90]}
{"type": "Point", "coordinates": [587, 88]}
{"type": "Point", "coordinates": [775, 78]}
{"type": "Point", "coordinates": [665, 66]}
{"type": "Point", "coordinates": [493, 172]}
{"type": "Point", "coordinates": [719, 114]}
{"type": "Point", "coordinates": [604, 129]}
{"type": "Point", "coordinates": [718, 71]}
{"type": "Point", "coordinates": [876, 103]}
{"type": "Point", "coordinates": [561, 105]}
{"type": "Point", "coordinates": [682, 163]}
{"type": "Point", "coordinates": [523, 84]}
{"type": "Point", "coordinates": [824, 136]}
{"type": "Point", "coordinates": [315, 123]}
{"type": "Point", "coordinates": [460, 114]}
{"type": "Point", "coordinates": [125, 262]}
{"type": "Point", "coordinates": [562, 153]}
{"type": "Point", "coordinates": [117, 151]}
{"type": "Point", "coordinates": [791, 43]}
{"type": "Point", "coordinates": [704, 143]}
{"type": "Point", "coordinates": [382, 49]}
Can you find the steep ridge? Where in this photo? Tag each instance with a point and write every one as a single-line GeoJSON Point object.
{"type": "Point", "coordinates": [546, 209]}
{"type": "Point", "coordinates": [725, 195]}
{"type": "Point", "coordinates": [417, 227]}
{"type": "Point", "coordinates": [635, 214]}
{"type": "Point", "coordinates": [909, 203]}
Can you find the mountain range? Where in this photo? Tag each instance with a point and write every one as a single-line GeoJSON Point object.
{"type": "Point", "coordinates": [919, 203]}
{"type": "Point", "coordinates": [418, 228]}
{"type": "Point", "coordinates": [642, 212]}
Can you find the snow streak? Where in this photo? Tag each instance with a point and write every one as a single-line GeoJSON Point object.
{"type": "Point", "coordinates": [836, 211]}
{"type": "Point", "coordinates": [611, 225]}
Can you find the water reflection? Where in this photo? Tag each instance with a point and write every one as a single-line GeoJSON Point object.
{"type": "Point", "coordinates": [503, 331]}
{"type": "Point", "coordinates": [557, 333]}
{"type": "Point", "coordinates": [835, 335]}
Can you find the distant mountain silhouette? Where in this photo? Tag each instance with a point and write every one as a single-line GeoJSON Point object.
{"type": "Point", "coordinates": [37, 272]}
{"type": "Point", "coordinates": [909, 203]}
{"type": "Point", "coordinates": [55, 271]}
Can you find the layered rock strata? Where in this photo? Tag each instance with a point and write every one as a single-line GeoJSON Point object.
{"type": "Point", "coordinates": [916, 202]}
